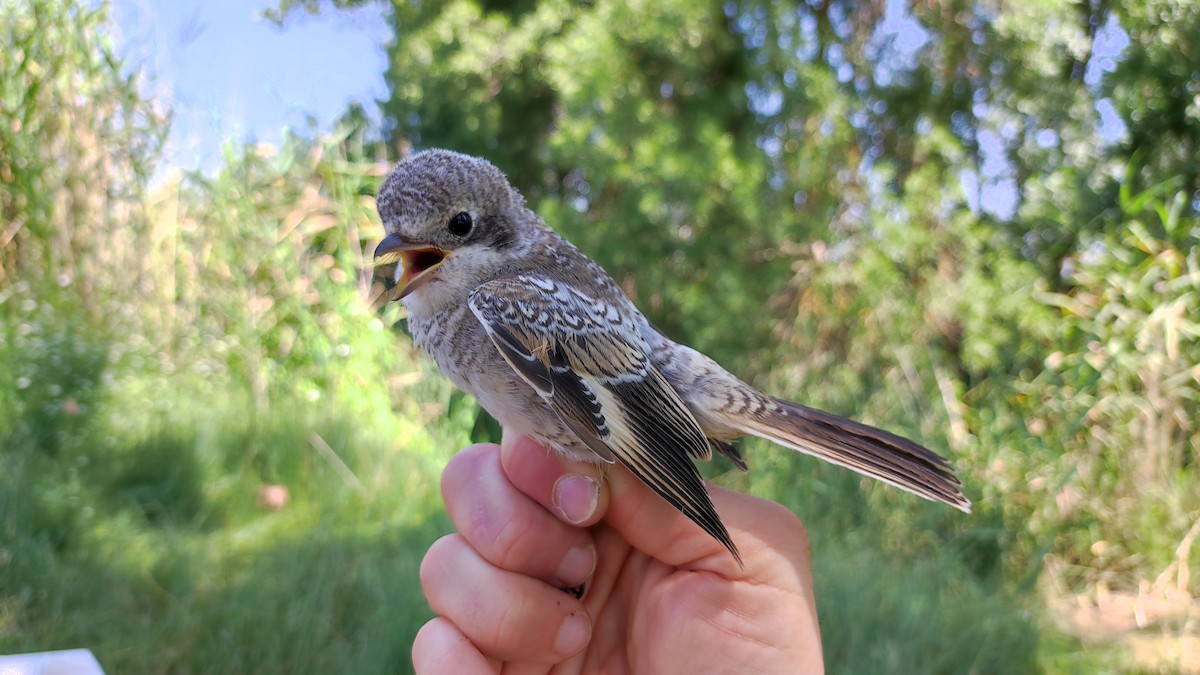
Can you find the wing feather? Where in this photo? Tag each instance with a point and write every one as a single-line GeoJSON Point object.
{"type": "Point", "coordinates": [591, 365]}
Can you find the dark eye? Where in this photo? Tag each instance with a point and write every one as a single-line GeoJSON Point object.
{"type": "Point", "coordinates": [460, 224]}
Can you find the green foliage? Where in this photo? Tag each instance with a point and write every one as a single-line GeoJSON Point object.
{"type": "Point", "coordinates": [923, 618]}
{"type": "Point", "coordinates": [729, 158]}
{"type": "Point", "coordinates": [132, 517]}
{"type": "Point", "coordinates": [778, 183]}
{"type": "Point", "coordinates": [139, 542]}
{"type": "Point", "coordinates": [70, 206]}
{"type": "Point", "coordinates": [168, 354]}
{"type": "Point", "coordinates": [265, 262]}
{"type": "Point", "coordinates": [627, 117]}
{"type": "Point", "coordinates": [52, 372]}
{"type": "Point", "coordinates": [1154, 87]}
{"type": "Point", "coordinates": [1123, 395]}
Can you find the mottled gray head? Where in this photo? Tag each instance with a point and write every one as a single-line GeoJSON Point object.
{"type": "Point", "coordinates": [448, 216]}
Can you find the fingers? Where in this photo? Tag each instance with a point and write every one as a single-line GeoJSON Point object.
{"type": "Point", "coordinates": [656, 528]}
{"type": "Point", "coordinates": [506, 615]}
{"type": "Point", "coordinates": [573, 491]}
{"type": "Point", "coordinates": [497, 583]}
{"type": "Point", "coordinates": [441, 649]}
{"type": "Point", "coordinates": [509, 529]}
{"type": "Point", "coordinates": [522, 510]}
{"type": "Point", "coordinates": [770, 537]}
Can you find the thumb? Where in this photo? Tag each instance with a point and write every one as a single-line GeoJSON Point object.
{"type": "Point", "coordinates": [773, 542]}
{"type": "Point", "coordinates": [573, 491]}
{"type": "Point", "coordinates": [652, 525]}
{"type": "Point", "coordinates": [583, 493]}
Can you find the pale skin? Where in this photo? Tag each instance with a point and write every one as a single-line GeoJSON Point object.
{"type": "Point", "coordinates": [662, 595]}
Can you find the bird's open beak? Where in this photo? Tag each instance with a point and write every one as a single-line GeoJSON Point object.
{"type": "Point", "coordinates": [404, 266]}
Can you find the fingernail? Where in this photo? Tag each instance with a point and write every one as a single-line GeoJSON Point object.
{"type": "Point", "coordinates": [573, 634]}
{"type": "Point", "coordinates": [575, 497]}
{"type": "Point", "coordinates": [577, 565]}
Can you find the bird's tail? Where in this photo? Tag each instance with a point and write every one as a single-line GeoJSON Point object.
{"type": "Point", "coordinates": [872, 452]}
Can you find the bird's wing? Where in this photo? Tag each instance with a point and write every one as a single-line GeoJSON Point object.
{"type": "Point", "coordinates": [587, 359]}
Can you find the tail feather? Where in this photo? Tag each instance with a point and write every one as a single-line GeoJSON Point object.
{"type": "Point", "coordinates": [869, 451]}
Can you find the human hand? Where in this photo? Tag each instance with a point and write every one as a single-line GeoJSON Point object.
{"type": "Point", "coordinates": [662, 596]}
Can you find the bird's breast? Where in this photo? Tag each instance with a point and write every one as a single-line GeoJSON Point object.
{"type": "Point", "coordinates": [457, 342]}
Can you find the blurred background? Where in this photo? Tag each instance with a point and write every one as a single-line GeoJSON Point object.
{"type": "Point", "coordinates": [973, 223]}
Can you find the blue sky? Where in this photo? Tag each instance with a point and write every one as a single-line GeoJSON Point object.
{"type": "Point", "coordinates": [227, 73]}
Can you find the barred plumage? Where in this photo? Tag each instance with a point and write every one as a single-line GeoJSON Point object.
{"type": "Point", "coordinates": [549, 344]}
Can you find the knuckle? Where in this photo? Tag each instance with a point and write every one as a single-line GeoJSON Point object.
{"type": "Point", "coordinates": [465, 464]}
{"type": "Point", "coordinates": [508, 544]}
{"type": "Point", "coordinates": [499, 634]}
{"type": "Point", "coordinates": [424, 644]}
{"type": "Point", "coordinates": [438, 558]}
{"type": "Point", "coordinates": [789, 528]}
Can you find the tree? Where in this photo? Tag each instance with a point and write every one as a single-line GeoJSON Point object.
{"type": "Point", "coordinates": [878, 209]}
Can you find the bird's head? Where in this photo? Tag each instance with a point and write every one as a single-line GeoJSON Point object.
{"type": "Point", "coordinates": [453, 222]}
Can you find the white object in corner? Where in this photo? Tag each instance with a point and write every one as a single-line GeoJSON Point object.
{"type": "Point", "coordinates": [66, 662]}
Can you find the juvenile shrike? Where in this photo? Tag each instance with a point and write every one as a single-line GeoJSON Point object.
{"type": "Point", "coordinates": [549, 345]}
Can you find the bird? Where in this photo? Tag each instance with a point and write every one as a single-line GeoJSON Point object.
{"type": "Point", "coordinates": [550, 345]}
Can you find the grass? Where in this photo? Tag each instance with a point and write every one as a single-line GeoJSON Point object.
{"type": "Point", "coordinates": [156, 553]}
{"type": "Point", "coordinates": [139, 533]}
{"type": "Point", "coordinates": [167, 353]}
{"type": "Point", "coordinates": [890, 615]}
{"type": "Point", "coordinates": [131, 523]}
